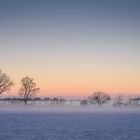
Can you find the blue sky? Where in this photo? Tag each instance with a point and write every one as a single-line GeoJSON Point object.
{"type": "Point", "coordinates": [72, 46]}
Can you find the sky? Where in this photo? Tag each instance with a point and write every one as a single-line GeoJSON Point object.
{"type": "Point", "coordinates": [72, 47]}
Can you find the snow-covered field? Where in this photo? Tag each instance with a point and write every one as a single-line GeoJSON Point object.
{"type": "Point", "coordinates": [69, 125]}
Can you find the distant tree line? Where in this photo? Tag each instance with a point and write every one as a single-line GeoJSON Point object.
{"type": "Point", "coordinates": [100, 98]}
{"type": "Point", "coordinates": [29, 90]}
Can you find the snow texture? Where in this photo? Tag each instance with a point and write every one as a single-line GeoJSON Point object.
{"type": "Point", "coordinates": [69, 125]}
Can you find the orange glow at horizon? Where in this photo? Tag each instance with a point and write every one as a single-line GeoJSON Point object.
{"type": "Point", "coordinates": [78, 79]}
{"type": "Point", "coordinates": [72, 49]}
{"type": "Point", "coordinates": [82, 87]}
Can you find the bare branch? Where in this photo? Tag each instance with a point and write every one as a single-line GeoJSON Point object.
{"type": "Point", "coordinates": [28, 89]}
{"type": "Point", "coordinates": [99, 98]}
{"type": "Point", "coordinates": [5, 82]}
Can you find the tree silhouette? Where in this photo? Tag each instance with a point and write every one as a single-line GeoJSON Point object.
{"type": "Point", "coordinates": [28, 89]}
{"type": "Point", "coordinates": [5, 82]}
{"type": "Point", "coordinates": [99, 98]}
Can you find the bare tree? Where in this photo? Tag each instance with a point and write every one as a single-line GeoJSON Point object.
{"type": "Point", "coordinates": [28, 89]}
{"type": "Point", "coordinates": [99, 98]}
{"type": "Point", "coordinates": [5, 82]}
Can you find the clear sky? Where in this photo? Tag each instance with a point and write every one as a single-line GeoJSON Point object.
{"type": "Point", "coordinates": [72, 47]}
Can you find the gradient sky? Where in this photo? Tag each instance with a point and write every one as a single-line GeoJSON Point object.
{"type": "Point", "coordinates": [72, 47]}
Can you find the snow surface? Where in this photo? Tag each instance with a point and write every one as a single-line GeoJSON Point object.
{"type": "Point", "coordinates": [97, 125]}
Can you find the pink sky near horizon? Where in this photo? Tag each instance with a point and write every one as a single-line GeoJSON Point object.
{"type": "Point", "coordinates": [78, 85]}
{"type": "Point", "coordinates": [72, 48]}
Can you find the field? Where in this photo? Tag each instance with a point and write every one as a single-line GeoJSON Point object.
{"type": "Point", "coordinates": [70, 125]}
